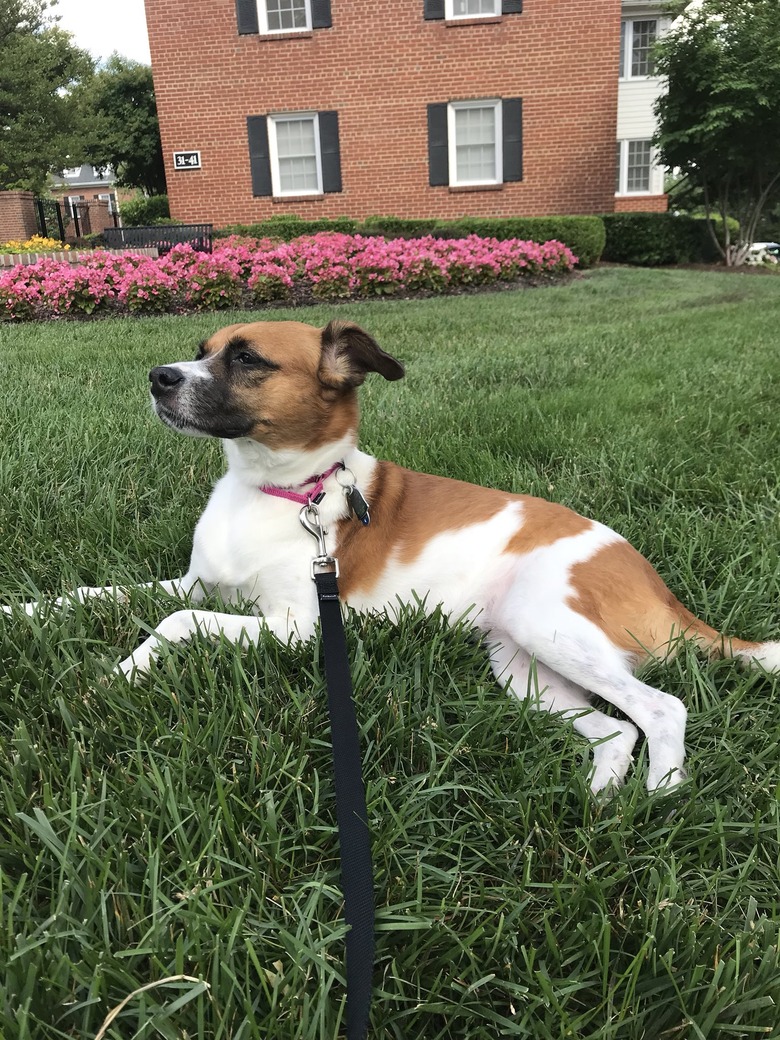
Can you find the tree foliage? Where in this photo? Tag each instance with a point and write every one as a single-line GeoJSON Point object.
{"type": "Point", "coordinates": [718, 120]}
{"type": "Point", "coordinates": [39, 71]}
{"type": "Point", "coordinates": [120, 115]}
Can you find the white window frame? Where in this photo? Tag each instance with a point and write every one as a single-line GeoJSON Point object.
{"type": "Point", "coordinates": [456, 106]}
{"type": "Point", "coordinates": [450, 16]}
{"type": "Point", "coordinates": [627, 48]}
{"type": "Point", "coordinates": [110, 198]}
{"type": "Point", "coordinates": [71, 201]}
{"type": "Point", "coordinates": [622, 189]}
{"type": "Point", "coordinates": [273, 152]}
{"type": "Point", "coordinates": [262, 14]}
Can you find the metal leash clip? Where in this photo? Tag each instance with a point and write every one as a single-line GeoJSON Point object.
{"type": "Point", "coordinates": [324, 563]}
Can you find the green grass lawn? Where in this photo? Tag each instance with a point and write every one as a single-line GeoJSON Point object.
{"type": "Point", "coordinates": [185, 826]}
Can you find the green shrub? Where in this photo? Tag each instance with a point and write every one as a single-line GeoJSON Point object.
{"type": "Point", "coordinates": [288, 227]}
{"type": "Point", "coordinates": [653, 239]}
{"type": "Point", "coordinates": [398, 227]}
{"type": "Point", "coordinates": [583, 235]}
{"type": "Point", "coordinates": [94, 241]}
{"type": "Point", "coordinates": [144, 210]}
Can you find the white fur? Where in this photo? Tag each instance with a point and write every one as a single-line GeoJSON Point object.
{"type": "Point", "coordinates": [767, 655]}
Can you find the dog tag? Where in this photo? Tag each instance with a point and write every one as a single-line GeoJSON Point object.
{"type": "Point", "coordinates": [358, 505]}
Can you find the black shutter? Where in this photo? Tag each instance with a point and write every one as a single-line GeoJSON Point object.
{"type": "Point", "coordinates": [246, 16]}
{"type": "Point", "coordinates": [329, 151]}
{"type": "Point", "coordinates": [259, 160]}
{"type": "Point", "coordinates": [434, 10]}
{"type": "Point", "coordinates": [511, 6]}
{"type": "Point", "coordinates": [512, 123]}
{"type": "Point", "coordinates": [438, 150]}
{"type": "Point", "coordinates": [320, 14]}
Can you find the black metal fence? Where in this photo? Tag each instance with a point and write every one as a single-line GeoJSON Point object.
{"type": "Point", "coordinates": [54, 217]}
{"type": "Point", "coordinates": [48, 213]}
{"type": "Point", "coordinates": [163, 236]}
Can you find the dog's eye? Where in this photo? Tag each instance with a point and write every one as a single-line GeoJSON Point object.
{"type": "Point", "coordinates": [245, 358]}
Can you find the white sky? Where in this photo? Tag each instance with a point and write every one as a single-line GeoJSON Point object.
{"type": "Point", "coordinates": [104, 26]}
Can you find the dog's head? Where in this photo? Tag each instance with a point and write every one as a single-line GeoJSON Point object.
{"type": "Point", "coordinates": [282, 383]}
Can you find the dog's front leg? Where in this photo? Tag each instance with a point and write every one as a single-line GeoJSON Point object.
{"type": "Point", "coordinates": [188, 586]}
{"type": "Point", "coordinates": [183, 624]}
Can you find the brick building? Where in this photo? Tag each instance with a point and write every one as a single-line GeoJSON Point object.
{"type": "Point", "coordinates": [411, 108]}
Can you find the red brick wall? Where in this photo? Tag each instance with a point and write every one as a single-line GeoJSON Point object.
{"type": "Point", "coordinates": [17, 216]}
{"type": "Point", "coordinates": [642, 204]}
{"type": "Point", "coordinates": [379, 66]}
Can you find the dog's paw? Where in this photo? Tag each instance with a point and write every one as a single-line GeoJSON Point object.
{"type": "Point", "coordinates": [611, 760]}
{"type": "Point", "coordinates": [667, 783]}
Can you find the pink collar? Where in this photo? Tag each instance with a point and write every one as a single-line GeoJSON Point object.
{"type": "Point", "coordinates": [307, 497]}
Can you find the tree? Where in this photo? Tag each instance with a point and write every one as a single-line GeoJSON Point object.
{"type": "Point", "coordinates": [718, 120]}
{"type": "Point", "coordinates": [39, 70]}
{"type": "Point", "coordinates": [120, 113]}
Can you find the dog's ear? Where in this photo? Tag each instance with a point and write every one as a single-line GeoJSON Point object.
{"type": "Point", "coordinates": [349, 354]}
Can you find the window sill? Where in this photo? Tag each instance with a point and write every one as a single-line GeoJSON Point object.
{"type": "Point", "coordinates": [291, 34]}
{"type": "Point", "coordinates": [313, 197]}
{"type": "Point", "coordinates": [459, 188]}
{"type": "Point", "coordinates": [487, 19]}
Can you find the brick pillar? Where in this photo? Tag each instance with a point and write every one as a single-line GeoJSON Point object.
{"type": "Point", "coordinates": [17, 215]}
{"type": "Point", "coordinates": [99, 217]}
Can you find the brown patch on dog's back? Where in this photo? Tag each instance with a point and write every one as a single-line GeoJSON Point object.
{"type": "Point", "coordinates": [408, 510]}
{"type": "Point", "coordinates": [544, 523]}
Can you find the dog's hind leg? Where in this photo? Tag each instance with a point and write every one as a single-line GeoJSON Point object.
{"type": "Point", "coordinates": [612, 739]}
{"type": "Point", "coordinates": [578, 650]}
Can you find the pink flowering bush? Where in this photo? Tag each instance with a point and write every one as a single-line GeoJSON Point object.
{"type": "Point", "coordinates": [254, 272]}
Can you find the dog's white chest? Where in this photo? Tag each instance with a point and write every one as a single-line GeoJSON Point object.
{"type": "Point", "coordinates": [251, 546]}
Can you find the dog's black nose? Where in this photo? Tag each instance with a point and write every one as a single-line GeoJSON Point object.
{"type": "Point", "coordinates": [164, 378]}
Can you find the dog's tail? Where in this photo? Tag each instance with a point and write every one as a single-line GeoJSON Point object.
{"type": "Point", "coordinates": [715, 644]}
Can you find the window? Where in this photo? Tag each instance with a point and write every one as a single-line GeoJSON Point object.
{"type": "Point", "coordinates": [634, 166]}
{"type": "Point", "coordinates": [72, 172]}
{"type": "Point", "coordinates": [71, 201]}
{"type": "Point", "coordinates": [295, 160]}
{"type": "Point", "coordinates": [284, 15]}
{"type": "Point", "coordinates": [474, 129]}
{"type": "Point", "coordinates": [110, 198]}
{"type": "Point", "coordinates": [475, 143]}
{"type": "Point", "coordinates": [267, 17]}
{"type": "Point", "coordinates": [471, 8]}
{"type": "Point", "coordinates": [452, 10]}
{"type": "Point", "coordinates": [294, 153]}
{"type": "Point", "coordinates": [636, 45]}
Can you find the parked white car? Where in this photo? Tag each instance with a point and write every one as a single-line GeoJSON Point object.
{"type": "Point", "coordinates": [764, 253]}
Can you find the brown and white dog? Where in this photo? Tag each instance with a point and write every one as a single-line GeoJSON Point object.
{"type": "Point", "coordinates": [565, 605]}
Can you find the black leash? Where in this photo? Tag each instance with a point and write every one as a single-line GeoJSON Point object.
{"type": "Point", "coordinates": [357, 882]}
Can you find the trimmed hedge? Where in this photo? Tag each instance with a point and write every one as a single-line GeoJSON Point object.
{"type": "Point", "coordinates": [653, 239]}
{"type": "Point", "coordinates": [286, 228]}
{"type": "Point", "coordinates": [585, 236]}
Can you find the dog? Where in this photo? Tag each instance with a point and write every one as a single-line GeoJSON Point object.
{"type": "Point", "coordinates": [566, 606]}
